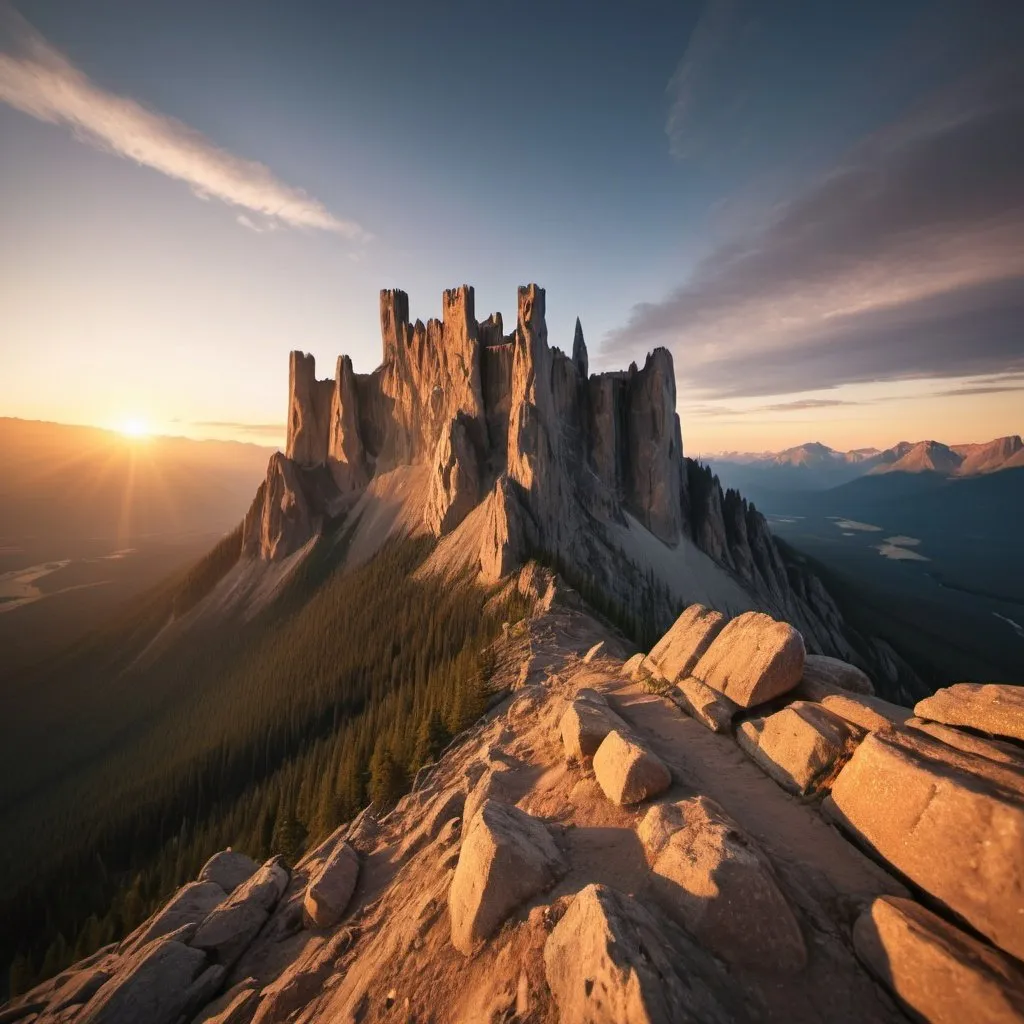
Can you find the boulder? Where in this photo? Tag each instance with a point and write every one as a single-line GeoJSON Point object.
{"type": "Point", "coordinates": [802, 747]}
{"type": "Point", "coordinates": [507, 857]}
{"type": "Point", "coordinates": [627, 771]}
{"type": "Point", "coordinates": [997, 709]}
{"type": "Point", "coordinates": [936, 971]}
{"type": "Point", "coordinates": [607, 962]}
{"type": "Point", "coordinates": [753, 659]}
{"type": "Point", "coordinates": [708, 706]}
{"type": "Point", "coordinates": [994, 750]}
{"type": "Point", "coordinates": [711, 877]}
{"type": "Point", "coordinates": [230, 927]}
{"type": "Point", "coordinates": [152, 985]}
{"type": "Point", "coordinates": [228, 869]}
{"type": "Point", "coordinates": [331, 886]}
{"type": "Point", "coordinates": [191, 904]}
{"type": "Point", "coordinates": [951, 822]}
{"type": "Point", "coordinates": [870, 713]}
{"type": "Point", "coordinates": [676, 654]}
{"type": "Point", "coordinates": [819, 668]}
{"type": "Point", "coordinates": [584, 725]}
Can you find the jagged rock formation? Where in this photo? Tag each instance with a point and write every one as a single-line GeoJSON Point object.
{"type": "Point", "coordinates": [520, 452]}
{"type": "Point", "coordinates": [514, 884]}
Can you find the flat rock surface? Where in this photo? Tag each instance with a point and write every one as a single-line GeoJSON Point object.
{"type": "Point", "coordinates": [997, 709]}
{"type": "Point", "coordinates": [952, 822]}
{"type": "Point", "coordinates": [937, 971]}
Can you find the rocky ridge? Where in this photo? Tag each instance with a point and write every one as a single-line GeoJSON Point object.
{"type": "Point", "coordinates": [593, 851]}
{"type": "Point", "coordinates": [506, 448]}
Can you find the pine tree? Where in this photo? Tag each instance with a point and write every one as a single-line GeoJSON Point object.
{"type": "Point", "coordinates": [387, 780]}
{"type": "Point", "coordinates": [431, 738]}
{"type": "Point", "coordinates": [289, 838]}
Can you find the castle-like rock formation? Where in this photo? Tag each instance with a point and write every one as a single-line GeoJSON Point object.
{"type": "Point", "coordinates": [488, 412]}
{"type": "Point", "coordinates": [539, 458]}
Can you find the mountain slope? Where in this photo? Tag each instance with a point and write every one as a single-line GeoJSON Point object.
{"type": "Point", "coordinates": [517, 882]}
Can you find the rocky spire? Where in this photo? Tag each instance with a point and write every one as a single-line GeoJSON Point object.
{"type": "Point", "coordinates": [579, 351]}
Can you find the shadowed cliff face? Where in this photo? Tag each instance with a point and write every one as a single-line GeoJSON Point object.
{"type": "Point", "coordinates": [527, 455]}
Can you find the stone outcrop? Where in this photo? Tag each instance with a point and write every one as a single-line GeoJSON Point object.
{"type": "Point", "coordinates": [228, 869]}
{"type": "Point", "coordinates": [711, 876]}
{"type": "Point", "coordinates": [231, 926]}
{"type": "Point", "coordinates": [951, 822]}
{"type": "Point", "coordinates": [753, 659]}
{"type": "Point", "coordinates": [935, 970]}
{"type": "Point", "coordinates": [331, 887]}
{"type": "Point", "coordinates": [191, 904]}
{"type": "Point", "coordinates": [606, 962]}
{"type": "Point", "coordinates": [992, 708]}
{"type": "Point", "coordinates": [152, 985]}
{"type": "Point", "coordinates": [994, 750]}
{"type": "Point", "coordinates": [677, 653]}
{"type": "Point", "coordinates": [627, 771]}
{"type": "Point", "coordinates": [802, 747]}
{"type": "Point", "coordinates": [870, 713]}
{"type": "Point", "coordinates": [507, 856]}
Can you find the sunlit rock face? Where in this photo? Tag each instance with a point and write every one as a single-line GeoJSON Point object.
{"type": "Point", "coordinates": [554, 461]}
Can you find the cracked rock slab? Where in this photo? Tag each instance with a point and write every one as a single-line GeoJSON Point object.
{"type": "Point", "coordinates": [951, 822]}
{"type": "Point", "coordinates": [936, 971]}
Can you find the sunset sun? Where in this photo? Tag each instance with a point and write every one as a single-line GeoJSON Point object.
{"type": "Point", "coordinates": [134, 426]}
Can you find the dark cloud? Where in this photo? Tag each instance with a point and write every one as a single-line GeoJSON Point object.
{"type": "Point", "coordinates": [907, 261]}
{"type": "Point", "coordinates": [963, 333]}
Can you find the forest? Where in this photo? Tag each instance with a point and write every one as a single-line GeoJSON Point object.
{"type": "Point", "coordinates": [263, 735]}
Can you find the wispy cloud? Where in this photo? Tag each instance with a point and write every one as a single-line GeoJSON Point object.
{"type": "Point", "coordinates": [806, 403]}
{"type": "Point", "coordinates": [41, 82]}
{"type": "Point", "coordinates": [708, 39]}
{"type": "Point", "coordinates": [263, 429]}
{"type": "Point", "coordinates": [905, 261]}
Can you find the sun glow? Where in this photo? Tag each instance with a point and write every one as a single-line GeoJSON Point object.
{"type": "Point", "coordinates": [133, 426]}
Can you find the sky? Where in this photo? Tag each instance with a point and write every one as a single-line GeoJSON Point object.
{"type": "Point", "coordinates": [817, 207]}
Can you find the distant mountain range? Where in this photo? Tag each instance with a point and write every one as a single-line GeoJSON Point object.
{"type": "Point", "coordinates": [814, 466]}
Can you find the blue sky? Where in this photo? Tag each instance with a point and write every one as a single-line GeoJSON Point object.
{"type": "Point", "coordinates": [818, 207]}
